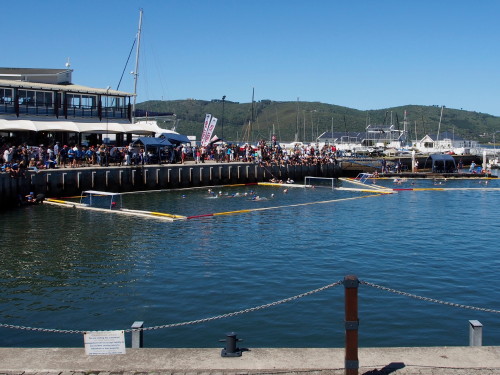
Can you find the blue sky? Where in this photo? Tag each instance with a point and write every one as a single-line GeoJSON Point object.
{"type": "Point", "coordinates": [360, 54]}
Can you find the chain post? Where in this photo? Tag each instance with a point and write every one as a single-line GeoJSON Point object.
{"type": "Point", "coordinates": [351, 365]}
{"type": "Point", "coordinates": [475, 333]}
{"type": "Point", "coordinates": [137, 334]}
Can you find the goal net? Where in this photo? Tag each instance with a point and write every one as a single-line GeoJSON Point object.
{"type": "Point", "coordinates": [101, 199]}
{"type": "Point", "coordinates": [327, 182]}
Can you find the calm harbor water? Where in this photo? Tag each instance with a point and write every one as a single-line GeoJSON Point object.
{"type": "Point", "coordinates": [77, 270]}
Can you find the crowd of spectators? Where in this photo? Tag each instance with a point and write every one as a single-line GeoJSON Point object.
{"type": "Point", "coordinates": [263, 153]}
{"type": "Point", "coordinates": [17, 159]}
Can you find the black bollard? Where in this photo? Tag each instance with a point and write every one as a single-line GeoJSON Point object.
{"type": "Point", "coordinates": [231, 350]}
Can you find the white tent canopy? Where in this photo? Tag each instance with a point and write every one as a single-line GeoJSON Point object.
{"type": "Point", "coordinates": [151, 126]}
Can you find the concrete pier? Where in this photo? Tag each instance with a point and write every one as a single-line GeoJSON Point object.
{"type": "Point", "coordinates": [373, 361]}
{"type": "Point", "coordinates": [72, 181]}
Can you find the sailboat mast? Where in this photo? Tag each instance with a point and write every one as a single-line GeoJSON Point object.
{"type": "Point", "coordinates": [439, 126]}
{"type": "Point", "coordinates": [416, 137]}
{"type": "Point", "coordinates": [136, 70]}
{"type": "Point", "coordinates": [253, 103]}
{"type": "Point", "coordinates": [405, 128]}
{"type": "Point", "coordinates": [248, 131]}
{"type": "Point", "coordinates": [296, 139]}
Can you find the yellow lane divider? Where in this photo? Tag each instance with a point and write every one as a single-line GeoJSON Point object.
{"type": "Point", "coordinates": [231, 212]}
{"type": "Point", "coordinates": [123, 211]}
{"type": "Point", "coordinates": [285, 206]}
{"type": "Point", "coordinates": [167, 215]}
{"type": "Point", "coordinates": [58, 201]}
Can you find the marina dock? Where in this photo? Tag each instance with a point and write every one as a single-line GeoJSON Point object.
{"type": "Point", "coordinates": [61, 182]}
{"type": "Point", "coordinates": [318, 361]}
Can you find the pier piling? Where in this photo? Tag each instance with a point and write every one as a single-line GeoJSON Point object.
{"type": "Point", "coordinates": [351, 365]}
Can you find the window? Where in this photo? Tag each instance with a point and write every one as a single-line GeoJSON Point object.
{"type": "Point", "coordinates": [89, 101]}
{"type": "Point", "coordinates": [81, 101]}
{"type": "Point", "coordinates": [26, 97]}
{"type": "Point", "coordinates": [5, 96]}
{"type": "Point", "coordinates": [35, 98]}
{"type": "Point", "coordinates": [43, 98]}
{"type": "Point", "coordinates": [113, 101]}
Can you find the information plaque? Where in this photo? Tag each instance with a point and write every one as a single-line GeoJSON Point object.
{"type": "Point", "coordinates": [104, 342]}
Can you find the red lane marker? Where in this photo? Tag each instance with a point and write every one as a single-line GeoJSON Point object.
{"type": "Point", "coordinates": [197, 216]}
{"type": "Point", "coordinates": [401, 189]}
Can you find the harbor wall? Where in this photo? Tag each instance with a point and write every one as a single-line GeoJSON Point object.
{"type": "Point", "coordinates": [72, 181]}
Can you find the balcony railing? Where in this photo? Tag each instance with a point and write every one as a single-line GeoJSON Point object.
{"type": "Point", "coordinates": [72, 111]}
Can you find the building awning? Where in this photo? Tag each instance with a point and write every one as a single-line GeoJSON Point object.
{"type": "Point", "coordinates": [74, 126]}
{"type": "Point", "coordinates": [17, 125]}
{"type": "Point", "coordinates": [139, 128]}
{"type": "Point", "coordinates": [101, 127]}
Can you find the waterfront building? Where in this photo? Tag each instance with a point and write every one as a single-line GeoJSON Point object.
{"type": "Point", "coordinates": [43, 105]}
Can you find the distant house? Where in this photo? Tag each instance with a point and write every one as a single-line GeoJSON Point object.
{"type": "Point", "coordinates": [446, 142]}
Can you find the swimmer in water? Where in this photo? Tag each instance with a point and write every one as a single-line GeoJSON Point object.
{"type": "Point", "coordinates": [258, 198]}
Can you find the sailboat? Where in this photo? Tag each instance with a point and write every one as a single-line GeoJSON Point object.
{"type": "Point", "coordinates": [149, 123]}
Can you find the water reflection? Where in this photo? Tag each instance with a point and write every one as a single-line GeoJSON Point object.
{"type": "Point", "coordinates": [71, 269]}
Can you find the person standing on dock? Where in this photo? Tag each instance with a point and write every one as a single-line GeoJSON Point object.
{"type": "Point", "coordinates": [472, 167]}
{"type": "Point", "coordinates": [384, 165]}
{"type": "Point", "coordinates": [57, 149]}
{"type": "Point", "coordinates": [183, 153]}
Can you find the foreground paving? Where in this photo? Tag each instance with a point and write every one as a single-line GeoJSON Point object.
{"type": "Point", "coordinates": [296, 361]}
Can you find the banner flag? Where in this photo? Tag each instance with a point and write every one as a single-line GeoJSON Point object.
{"type": "Point", "coordinates": [205, 126]}
{"type": "Point", "coordinates": [210, 130]}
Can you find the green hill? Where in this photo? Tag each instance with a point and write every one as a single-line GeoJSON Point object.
{"type": "Point", "coordinates": [305, 121]}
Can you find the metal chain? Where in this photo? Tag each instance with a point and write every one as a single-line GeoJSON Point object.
{"type": "Point", "coordinates": [427, 299]}
{"type": "Point", "coordinates": [40, 329]}
{"type": "Point", "coordinates": [261, 307]}
{"type": "Point", "coordinates": [246, 310]}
